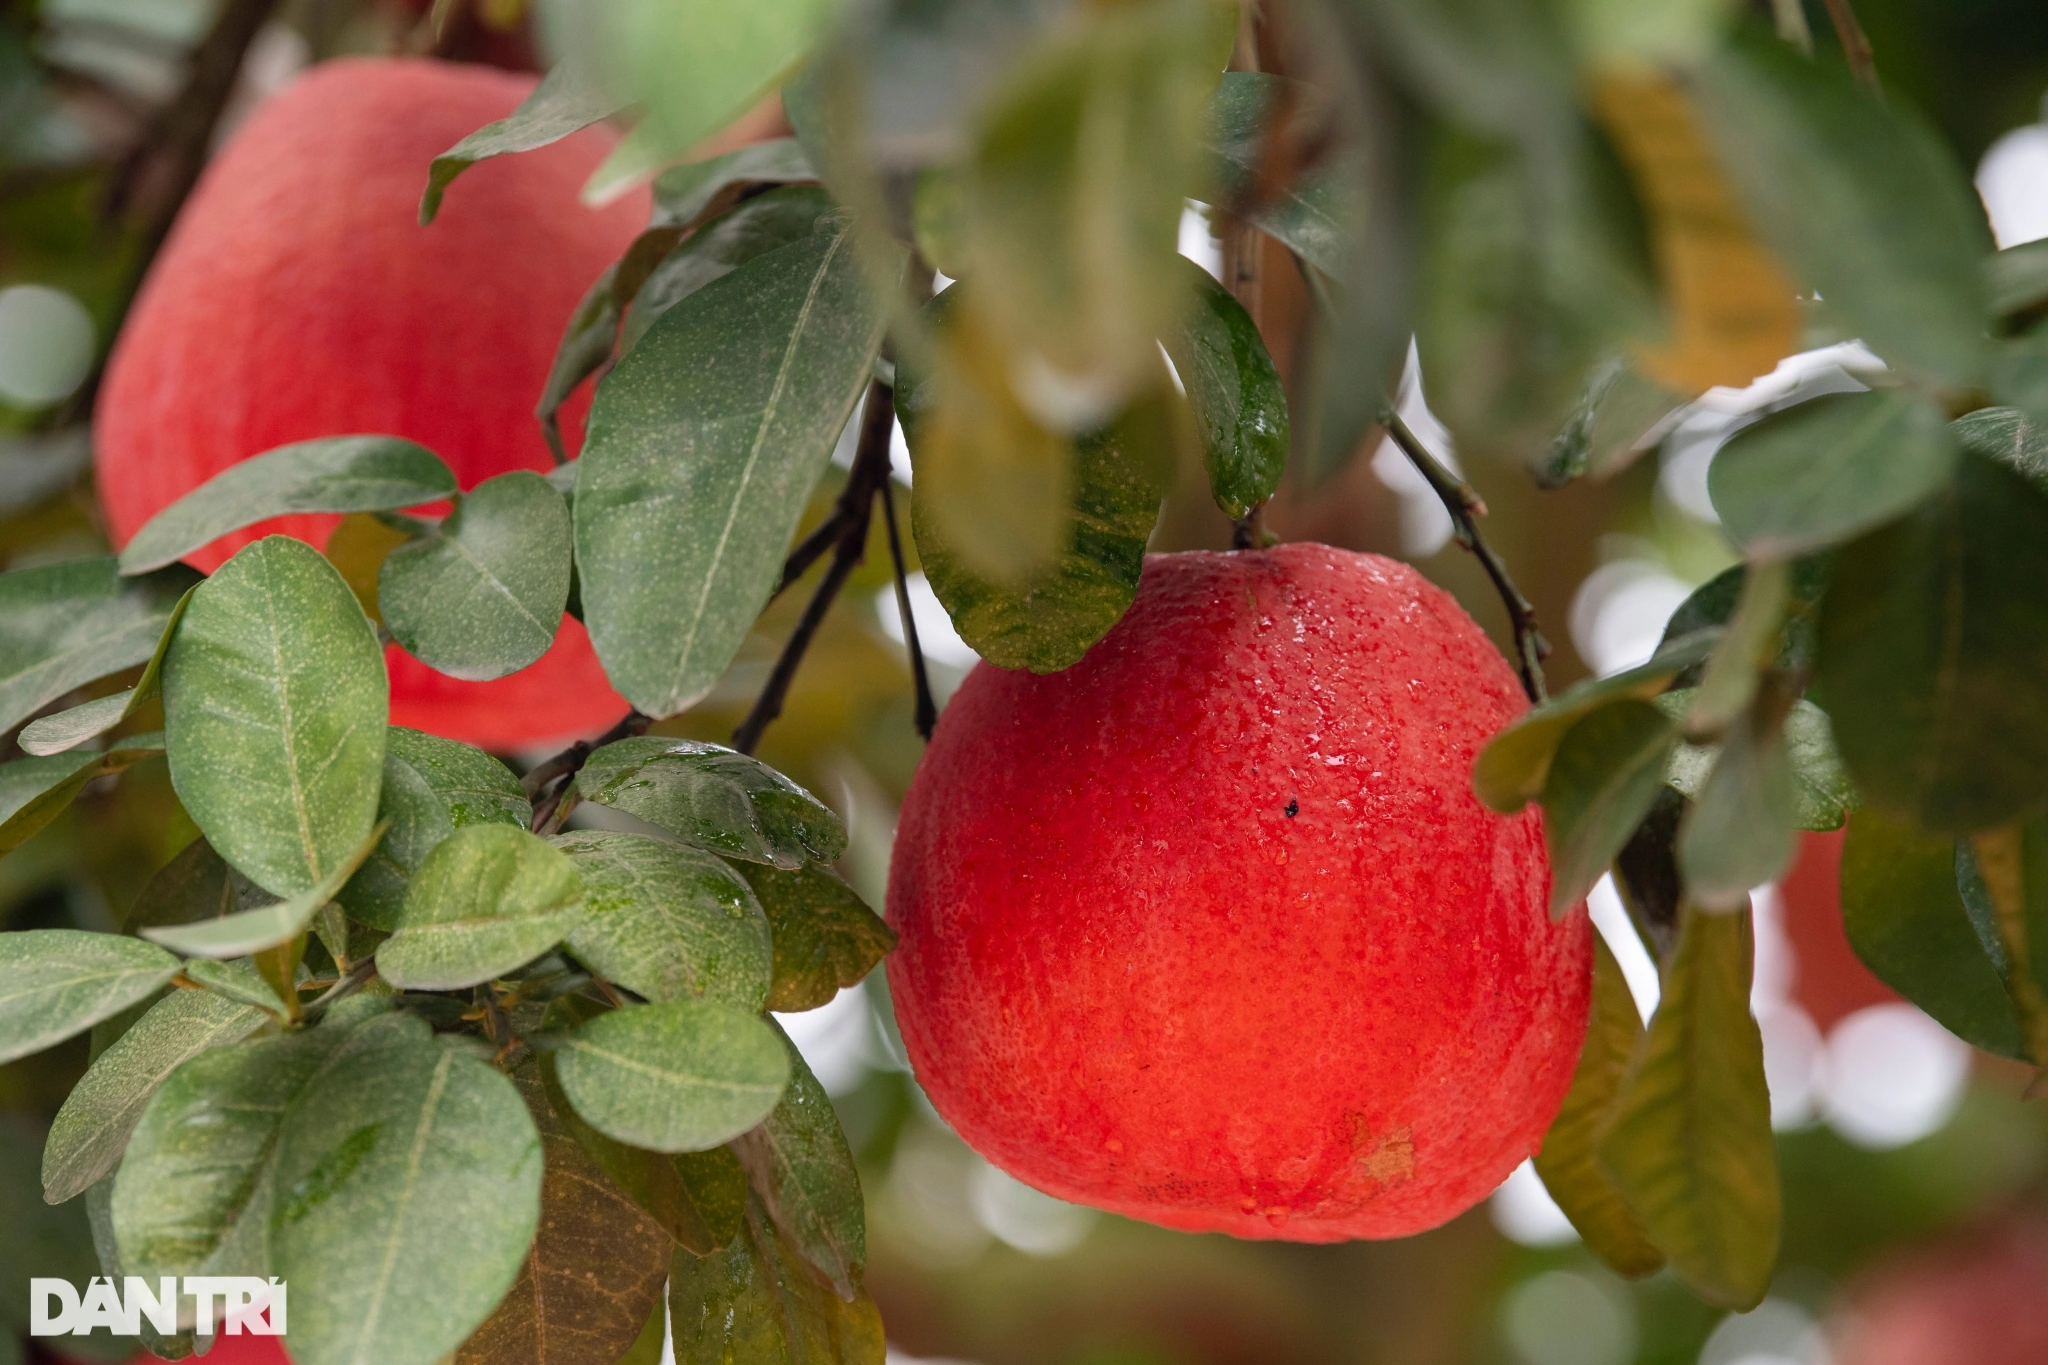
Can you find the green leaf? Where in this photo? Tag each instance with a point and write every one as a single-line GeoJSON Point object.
{"type": "Point", "coordinates": [563, 103]}
{"type": "Point", "coordinates": [2016, 279]}
{"type": "Point", "coordinates": [676, 1077]}
{"type": "Point", "coordinates": [756, 1300]}
{"type": "Point", "coordinates": [597, 1268]}
{"type": "Point", "coordinates": [1934, 648]}
{"type": "Point", "coordinates": [1234, 389]}
{"type": "Point", "coordinates": [593, 329]}
{"type": "Point", "coordinates": [1742, 830]}
{"type": "Point", "coordinates": [1606, 774]}
{"type": "Point", "coordinates": [99, 1213]}
{"type": "Point", "coordinates": [1569, 1161]}
{"type": "Point", "coordinates": [1907, 921]}
{"type": "Point", "coordinates": [713, 798]}
{"type": "Point", "coordinates": [336, 474]}
{"type": "Point", "coordinates": [668, 923]}
{"type": "Point", "coordinates": [2001, 875]}
{"type": "Point", "coordinates": [432, 787]}
{"type": "Point", "coordinates": [195, 1192]}
{"type": "Point", "coordinates": [1317, 217]}
{"type": "Point", "coordinates": [274, 710]}
{"type": "Point", "coordinates": [35, 791]}
{"type": "Point", "coordinates": [235, 982]}
{"type": "Point", "coordinates": [1690, 1144]}
{"type": "Point", "coordinates": [1821, 472]}
{"type": "Point", "coordinates": [1823, 796]}
{"type": "Point", "coordinates": [400, 1140]}
{"type": "Point", "coordinates": [57, 982]}
{"type": "Point", "coordinates": [682, 193]}
{"type": "Point", "coordinates": [803, 1171]}
{"type": "Point", "coordinates": [195, 884]}
{"type": "Point", "coordinates": [481, 595]}
{"type": "Point", "coordinates": [703, 444]}
{"type": "Point", "coordinates": [826, 937]}
{"type": "Point", "coordinates": [261, 927]}
{"type": "Point", "coordinates": [752, 228]}
{"type": "Point", "coordinates": [487, 899]}
{"type": "Point", "coordinates": [1610, 426]}
{"type": "Point", "coordinates": [1713, 604]}
{"type": "Point", "coordinates": [91, 1131]}
{"type": "Point", "coordinates": [43, 1241]}
{"type": "Point", "coordinates": [53, 734]}
{"type": "Point", "coordinates": [1860, 198]}
{"type": "Point", "coordinates": [65, 625]}
{"type": "Point", "coordinates": [1513, 768]}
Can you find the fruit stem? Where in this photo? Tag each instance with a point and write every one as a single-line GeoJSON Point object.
{"type": "Point", "coordinates": [1464, 504]}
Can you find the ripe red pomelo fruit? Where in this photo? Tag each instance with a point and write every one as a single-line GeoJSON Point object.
{"type": "Point", "coordinates": [298, 297]}
{"type": "Point", "coordinates": [1210, 930]}
{"type": "Point", "coordinates": [1977, 1296]}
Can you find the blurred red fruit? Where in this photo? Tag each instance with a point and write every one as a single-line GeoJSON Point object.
{"type": "Point", "coordinates": [1978, 1297]}
{"type": "Point", "coordinates": [1829, 981]}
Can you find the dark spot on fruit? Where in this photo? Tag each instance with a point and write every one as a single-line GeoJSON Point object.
{"type": "Point", "coordinates": [1293, 808]}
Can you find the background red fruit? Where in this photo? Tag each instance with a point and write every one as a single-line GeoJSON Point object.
{"type": "Point", "coordinates": [1209, 929]}
{"type": "Point", "coordinates": [1828, 980]}
{"type": "Point", "coordinates": [299, 297]}
{"type": "Point", "coordinates": [1979, 1296]}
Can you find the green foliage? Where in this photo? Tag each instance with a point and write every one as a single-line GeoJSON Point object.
{"type": "Point", "coordinates": [564, 102]}
{"type": "Point", "coordinates": [677, 1077]}
{"type": "Point", "coordinates": [1234, 390]}
{"type": "Point", "coordinates": [1606, 773]}
{"type": "Point", "coordinates": [715, 799]}
{"type": "Point", "coordinates": [65, 625]}
{"type": "Point", "coordinates": [803, 1171]}
{"type": "Point", "coordinates": [432, 787]}
{"type": "Point", "coordinates": [825, 936]}
{"type": "Point", "coordinates": [63, 981]}
{"type": "Point", "coordinates": [489, 898]}
{"type": "Point", "coordinates": [756, 1300]}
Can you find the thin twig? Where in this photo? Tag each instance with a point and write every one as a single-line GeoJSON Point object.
{"type": "Point", "coordinates": [927, 709]}
{"type": "Point", "coordinates": [1462, 501]}
{"type": "Point", "coordinates": [1248, 532]}
{"type": "Point", "coordinates": [851, 516]}
{"type": "Point", "coordinates": [358, 976]}
{"type": "Point", "coordinates": [547, 783]}
{"type": "Point", "coordinates": [1855, 45]}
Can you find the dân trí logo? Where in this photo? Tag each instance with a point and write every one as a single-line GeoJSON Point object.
{"type": "Point", "coordinates": [247, 1303]}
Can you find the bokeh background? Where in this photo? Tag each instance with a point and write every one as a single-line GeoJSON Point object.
{"type": "Point", "coordinates": [1916, 1174]}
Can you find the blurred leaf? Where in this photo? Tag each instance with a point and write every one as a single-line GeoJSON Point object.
{"type": "Point", "coordinates": [1713, 604]}
{"type": "Point", "coordinates": [336, 474]}
{"type": "Point", "coordinates": [826, 938]}
{"type": "Point", "coordinates": [676, 1077]}
{"type": "Point", "coordinates": [1234, 389]}
{"type": "Point", "coordinates": [1071, 196]}
{"type": "Point", "coordinates": [35, 791]}
{"type": "Point", "coordinates": [357, 549]}
{"type": "Point", "coordinates": [682, 193]}
{"type": "Point", "coordinates": [1934, 646]}
{"type": "Point", "coordinates": [274, 711]}
{"type": "Point", "coordinates": [487, 899]}
{"type": "Point", "coordinates": [756, 1300]}
{"type": "Point", "coordinates": [1859, 198]}
{"type": "Point", "coordinates": [262, 927]}
{"type": "Point", "coordinates": [99, 1212]}
{"type": "Point", "coordinates": [1907, 921]}
{"type": "Point", "coordinates": [1512, 770]}
{"type": "Point", "coordinates": [755, 227]}
{"type": "Point", "coordinates": [63, 981]}
{"type": "Point", "coordinates": [91, 1131]}
{"type": "Point", "coordinates": [1734, 671]}
{"type": "Point", "coordinates": [2002, 877]}
{"type": "Point", "coordinates": [64, 625]}
{"type": "Point", "coordinates": [1612, 424]}
{"type": "Point", "coordinates": [1742, 830]}
{"type": "Point", "coordinates": [1821, 472]}
{"type": "Point", "coordinates": [2016, 279]}
{"type": "Point", "coordinates": [1734, 314]}
{"type": "Point", "coordinates": [1690, 1144]}
{"type": "Point", "coordinates": [564, 102]}
{"type": "Point", "coordinates": [481, 595]}
{"type": "Point", "coordinates": [42, 1241]}
{"type": "Point", "coordinates": [667, 923]}
{"type": "Point", "coordinates": [596, 1270]}
{"type": "Point", "coordinates": [1823, 796]}
{"type": "Point", "coordinates": [1612, 32]}
{"type": "Point", "coordinates": [1606, 773]}
{"type": "Point", "coordinates": [432, 787]}
{"type": "Point", "coordinates": [53, 734]}
{"type": "Point", "coordinates": [713, 798]}
{"type": "Point", "coordinates": [802, 1169]}
{"type": "Point", "coordinates": [754, 377]}
{"type": "Point", "coordinates": [34, 467]}
{"type": "Point", "coordinates": [1568, 1161]}
{"type": "Point", "coordinates": [1318, 216]}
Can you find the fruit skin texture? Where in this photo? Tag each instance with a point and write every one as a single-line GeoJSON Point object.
{"type": "Point", "coordinates": [299, 297]}
{"type": "Point", "coordinates": [1210, 930]}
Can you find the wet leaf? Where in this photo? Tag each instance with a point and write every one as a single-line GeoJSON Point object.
{"type": "Point", "coordinates": [564, 102]}
{"type": "Point", "coordinates": [1606, 774]}
{"type": "Point", "coordinates": [487, 899]}
{"type": "Point", "coordinates": [752, 228]}
{"type": "Point", "coordinates": [91, 1131]}
{"type": "Point", "coordinates": [667, 923]}
{"type": "Point", "coordinates": [802, 1169]}
{"type": "Point", "coordinates": [703, 443]}
{"type": "Point", "coordinates": [595, 1271]}
{"type": "Point", "coordinates": [1821, 472]}
{"type": "Point", "coordinates": [65, 625]}
{"type": "Point", "coordinates": [756, 1300]}
{"type": "Point", "coordinates": [713, 798]}
{"type": "Point", "coordinates": [1569, 1162]}
{"type": "Point", "coordinates": [35, 791]}
{"type": "Point", "coordinates": [336, 474]}
{"type": "Point", "coordinates": [677, 1077]}
{"type": "Point", "coordinates": [432, 787]}
{"type": "Point", "coordinates": [481, 595]}
{"type": "Point", "coordinates": [1690, 1143]}
{"type": "Point", "coordinates": [826, 938]}
{"type": "Point", "coordinates": [274, 711]}
{"type": "Point", "coordinates": [1234, 389]}
{"type": "Point", "coordinates": [57, 982]}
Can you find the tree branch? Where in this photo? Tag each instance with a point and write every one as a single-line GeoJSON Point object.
{"type": "Point", "coordinates": [1463, 502]}
{"type": "Point", "coordinates": [927, 709]}
{"type": "Point", "coordinates": [547, 783]}
{"type": "Point", "coordinates": [1855, 44]}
